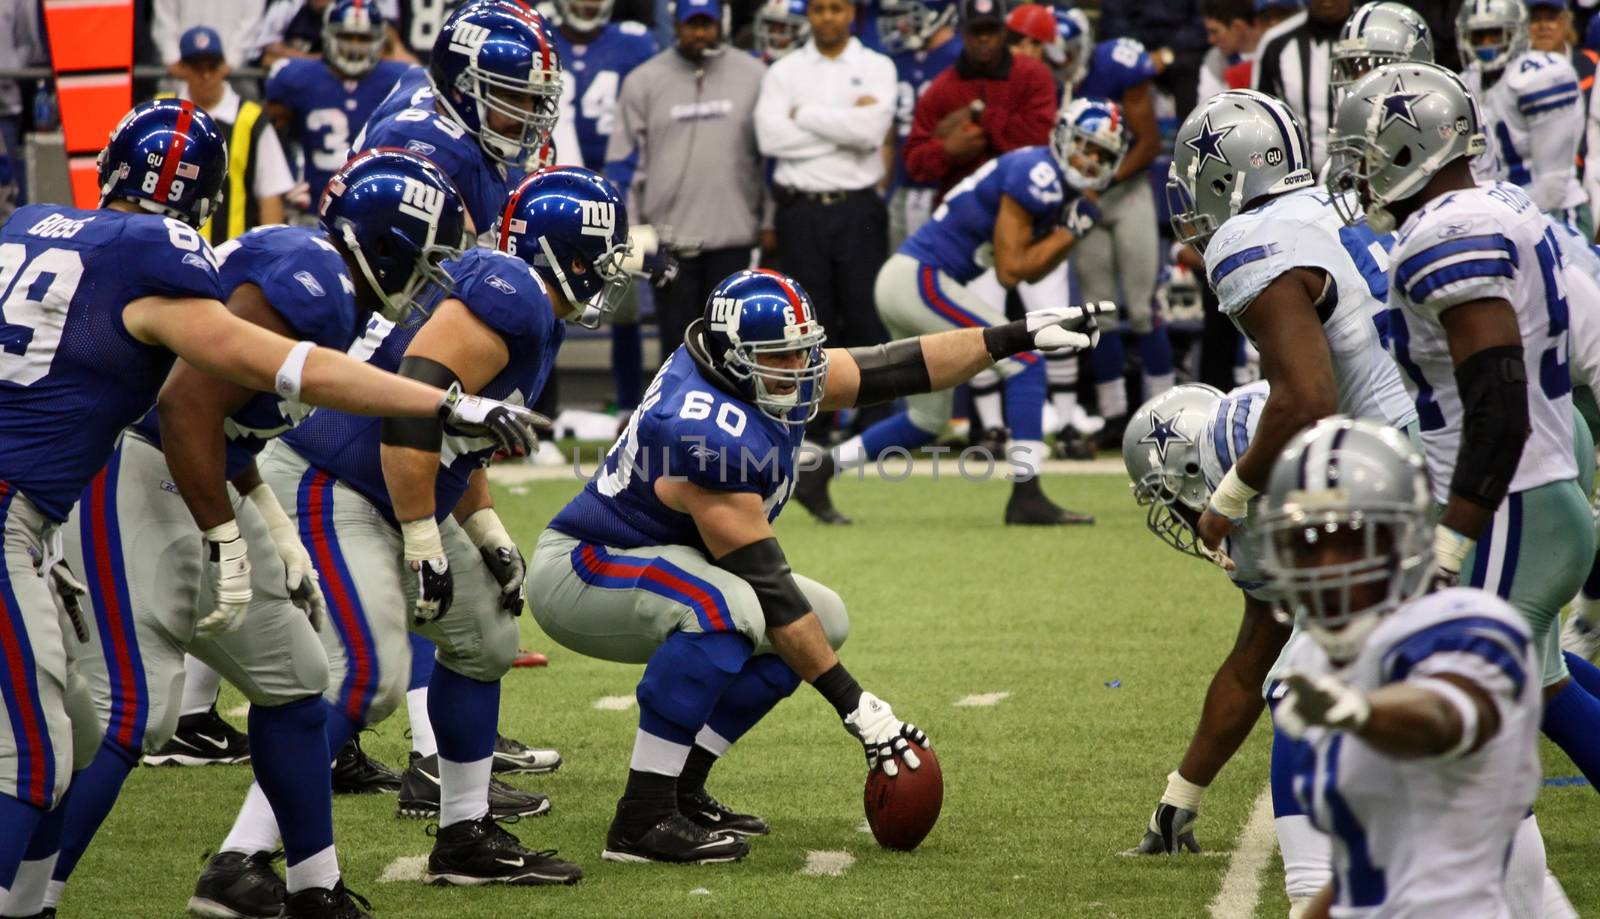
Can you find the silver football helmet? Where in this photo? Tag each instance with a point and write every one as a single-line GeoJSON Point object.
{"type": "Point", "coordinates": [1396, 128]}
{"type": "Point", "coordinates": [1161, 448]}
{"type": "Point", "coordinates": [1239, 146]}
{"type": "Point", "coordinates": [1491, 33]}
{"type": "Point", "coordinates": [1377, 33]}
{"type": "Point", "coordinates": [1343, 529]}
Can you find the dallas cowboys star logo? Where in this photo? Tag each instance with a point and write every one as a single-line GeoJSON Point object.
{"type": "Point", "coordinates": [1164, 431]}
{"type": "Point", "coordinates": [1208, 143]}
{"type": "Point", "coordinates": [1398, 105]}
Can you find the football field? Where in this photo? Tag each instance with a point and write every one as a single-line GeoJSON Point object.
{"type": "Point", "coordinates": [1059, 673]}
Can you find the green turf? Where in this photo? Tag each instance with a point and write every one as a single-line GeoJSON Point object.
{"type": "Point", "coordinates": [1042, 791]}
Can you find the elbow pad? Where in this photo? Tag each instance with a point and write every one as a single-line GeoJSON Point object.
{"type": "Point", "coordinates": [763, 566]}
{"type": "Point", "coordinates": [1494, 399]}
{"type": "Point", "coordinates": [891, 371]}
{"type": "Point", "coordinates": [419, 433]}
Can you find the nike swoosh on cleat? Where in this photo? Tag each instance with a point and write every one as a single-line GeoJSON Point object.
{"type": "Point", "coordinates": [220, 744]}
{"type": "Point", "coordinates": [514, 863]}
{"type": "Point", "coordinates": [714, 818]}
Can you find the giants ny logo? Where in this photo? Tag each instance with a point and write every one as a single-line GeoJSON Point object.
{"type": "Point", "coordinates": [599, 218]}
{"type": "Point", "coordinates": [725, 314]}
{"type": "Point", "coordinates": [468, 38]}
{"type": "Point", "coordinates": [422, 201]}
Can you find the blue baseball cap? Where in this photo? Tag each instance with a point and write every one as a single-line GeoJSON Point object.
{"type": "Point", "coordinates": [200, 42]}
{"type": "Point", "coordinates": [1547, 4]}
{"type": "Point", "coordinates": [688, 9]}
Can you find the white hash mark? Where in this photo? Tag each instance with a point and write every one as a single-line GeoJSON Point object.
{"type": "Point", "coordinates": [614, 703]}
{"type": "Point", "coordinates": [981, 700]}
{"type": "Point", "coordinates": [404, 868]}
{"type": "Point", "coordinates": [827, 864]}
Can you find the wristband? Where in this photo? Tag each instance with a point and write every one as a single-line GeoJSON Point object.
{"type": "Point", "coordinates": [223, 532]}
{"type": "Point", "coordinates": [1008, 339]}
{"type": "Point", "coordinates": [1232, 496]}
{"type": "Point", "coordinates": [422, 539]}
{"type": "Point", "coordinates": [1450, 548]}
{"type": "Point", "coordinates": [270, 510]}
{"type": "Point", "coordinates": [840, 689]}
{"type": "Point", "coordinates": [1182, 793]}
{"type": "Point", "coordinates": [1466, 710]}
{"type": "Point", "coordinates": [484, 528]}
{"type": "Point", "coordinates": [289, 375]}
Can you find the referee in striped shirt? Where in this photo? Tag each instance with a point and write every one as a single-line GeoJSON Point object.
{"type": "Point", "coordinates": [1292, 64]}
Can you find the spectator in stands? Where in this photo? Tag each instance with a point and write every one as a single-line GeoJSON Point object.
{"type": "Point", "coordinates": [1550, 29]}
{"type": "Point", "coordinates": [685, 142]}
{"type": "Point", "coordinates": [1231, 29]}
{"type": "Point", "coordinates": [990, 102]}
{"type": "Point", "coordinates": [1293, 65]}
{"type": "Point", "coordinates": [1271, 12]}
{"type": "Point", "coordinates": [235, 21]}
{"type": "Point", "coordinates": [824, 112]}
{"type": "Point", "coordinates": [1174, 34]}
{"type": "Point", "coordinates": [21, 45]}
{"type": "Point", "coordinates": [293, 28]}
{"type": "Point", "coordinates": [253, 195]}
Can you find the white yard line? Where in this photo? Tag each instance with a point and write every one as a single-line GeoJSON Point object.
{"type": "Point", "coordinates": [827, 864]}
{"type": "Point", "coordinates": [1241, 885]}
{"type": "Point", "coordinates": [981, 700]}
{"type": "Point", "coordinates": [614, 703]}
{"type": "Point", "coordinates": [404, 868]}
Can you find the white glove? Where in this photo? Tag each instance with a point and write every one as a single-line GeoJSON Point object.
{"type": "Point", "coordinates": [500, 554]}
{"type": "Point", "coordinates": [510, 426]}
{"type": "Point", "coordinates": [884, 736]}
{"type": "Point", "coordinates": [300, 577]}
{"type": "Point", "coordinates": [65, 588]}
{"type": "Point", "coordinates": [228, 573]}
{"type": "Point", "coordinates": [1449, 551]}
{"type": "Point", "coordinates": [1312, 699]}
{"type": "Point", "coordinates": [425, 554]}
{"type": "Point", "coordinates": [1068, 328]}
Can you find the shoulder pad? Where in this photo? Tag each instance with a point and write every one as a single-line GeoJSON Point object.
{"type": "Point", "coordinates": [1033, 180]}
{"type": "Point", "coordinates": [1453, 255]}
{"type": "Point", "coordinates": [173, 259]}
{"type": "Point", "coordinates": [1462, 631]}
{"type": "Point", "coordinates": [714, 441]}
{"type": "Point", "coordinates": [1246, 255]}
{"type": "Point", "coordinates": [503, 292]}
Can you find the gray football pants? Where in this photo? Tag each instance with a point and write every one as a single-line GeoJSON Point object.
{"type": "Point", "coordinates": [1120, 260]}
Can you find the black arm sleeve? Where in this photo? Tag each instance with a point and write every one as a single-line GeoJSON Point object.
{"type": "Point", "coordinates": [890, 371]}
{"type": "Point", "coordinates": [1494, 398]}
{"type": "Point", "coordinates": [763, 565]}
{"type": "Point", "coordinates": [419, 433]}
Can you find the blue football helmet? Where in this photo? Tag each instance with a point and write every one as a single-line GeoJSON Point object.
{"type": "Point", "coordinates": [168, 157]}
{"type": "Point", "coordinates": [492, 59]}
{"type": "Point", "coordinates": [352, 36]}
{"type": "Point", "coordinates": [757, 313]}
{"type": "Point", "coordinates": [401, 218]}
{"type": "Point", "coordinates": [571, 225]}
{"type": "Point", "coordinates": [906, 25]}
{"type": "Point", "coordinates": [1077, 44]}
{"type": "Point", "coordinates": [1089, 141]}
{"type": "Point", "coordinates": [781, 27]}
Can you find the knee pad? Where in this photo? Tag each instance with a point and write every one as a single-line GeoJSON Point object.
{"type": "Point", "coordinates": [775, 674]}
{"type": "Point", "coordinates": [85, 721]}
{"type": "Point", "coordinates": [925, 421]}
{"type": "Point", "coordinates": [830, 611]}
{"type": "Point", "coordinates": [687, 675]}
{"type": "Point", "coordinates": [1141, 317]}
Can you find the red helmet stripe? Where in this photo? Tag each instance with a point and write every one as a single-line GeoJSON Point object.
{"type": "Point", "coordinates": [795, 300]}
{"type": "Point", "coordinates": [180, 141]}
{"type": "Point", "coordinates": [511, 207]}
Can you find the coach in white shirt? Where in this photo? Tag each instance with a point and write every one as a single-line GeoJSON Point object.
{"type": "Point", "coordinates": [823, 113]}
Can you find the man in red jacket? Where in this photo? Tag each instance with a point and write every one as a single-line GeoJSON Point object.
{"type": "Point", "coordinates": [988, 103]}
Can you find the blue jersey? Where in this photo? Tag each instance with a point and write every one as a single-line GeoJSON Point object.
{"type": "Point", "coordinates": [410, 90]}
{"type": "Point", "coordinates": [686, 427]}
{"type": "Point", "coordinates": [914, 73]}
{"type": "Point", "coordinates": [305, 280]}
{"type": "Point", "coordinates": [484, 184]}
{"type": "Point", "coordinates": [329, 110]}
{"type": "Point", "coordinates": [959, 238]}
{"type": "Point", "coordinates": [503, 292]}
{"type": "Point", "coordinates": [1117, 65]}
{"type": "Point", "coordinates": [591, 76]}
{"type": "Point", "coordinates": [71, 375]}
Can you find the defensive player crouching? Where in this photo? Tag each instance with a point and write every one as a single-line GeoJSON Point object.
{"type": "Point", "coordinates": [667, 557]}
{"type": "Point", "coordinates": [1421, 715]}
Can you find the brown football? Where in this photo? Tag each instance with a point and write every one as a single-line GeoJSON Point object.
{"type": "Point", "coordinates": [902, 811]}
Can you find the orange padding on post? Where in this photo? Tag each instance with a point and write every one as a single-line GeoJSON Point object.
{"type": "Point", "coordinates": [85, 181]}
{"type": "Point", "coordinates": [91, 106]}
{"type": "Point", "coordinates": [90, 34]}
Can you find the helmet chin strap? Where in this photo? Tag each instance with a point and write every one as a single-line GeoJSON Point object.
{"type": "Point", "coordinates": [395, 311]}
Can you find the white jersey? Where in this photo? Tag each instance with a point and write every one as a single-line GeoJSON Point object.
{"type": "Point", "coordinates": [1582, 277]}
{"type": "Point", "coordinates": [1226, 436]}
{"type": "Point", "coordinates": [1302, 230]}
{"type": "Point", "coordinates": [1485, 242]}
{"type": "Point", "coordinates": [1429, 837]}
{"type": "Point", "coordinates": [1533, 116]}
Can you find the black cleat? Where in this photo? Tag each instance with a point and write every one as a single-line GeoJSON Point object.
{"type": "Point", "coordinates": [811, 490]}
{"type": "Point", "coordinates": [419, 794]}
{"type": "Point", "coordinates": [323, 903]}
{"type": "Point", "coordinates": [512, 757]}
{"type": "Point", "coordinates": [476, 852]}
{"type": "Point", "coordinates": [239, 886]}
{"type": "Point", "coordinates": [202, 740]}
{"type": "Point", "coordinates": [1071, 444]}
{"type": "Point", "coordinates": [709, 814]}
{"type": "Point", "coordinates": [1029, 507]}
{"type": "Point", "coordinates": [676, 840]}
{"type": "Point", "coordinates": [356, 773]}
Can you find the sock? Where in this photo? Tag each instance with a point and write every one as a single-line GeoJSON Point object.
{"type": "Point", "coordinates": [699, 762]}
{"type": "Point", "coordinates": [1024, 458]}
{"type": "Point", "coordinates": [466, 724]}
{"type": "Point", "coordinates": [19, 820]}
{"type": "Point", "coordinates": [1572, 721]}
{"type": "Point", "coordinates": [1108, 358]}
{"type": "Point", "coordinates": [1584, 673]}
{"type": "Point", "coordinates": [422, 739]}
{"type": "Point", "coordinates": [1025, 402]}
{"type": "Point", "coordinates": [38, 863]}
{"type": "Point", "coordinates": [627, 364]}
{"type": "Point", "coordinates": [320, 869]}
{"type": "Point", "coordinates": [255, 829]}
{"type": "Point", "coordinates": [895, 431]}
{"type": "Point", "coordinates": [985, 388]}
{"type": "Point", "coordinates": [422, 655]}
{"type": "Point", "coordinates": [1061, 377]}
{"type": "Point", "coordinates": [200, 685]}
{"type": "Point", "coordinates": [1525, 870]}
{"type": "Point", "coordinates": [290, 757]}
{"type": "Point", "coordinates": [1155, 350]}
{"type": "Point", "coordinates": [52, 892]}
{"type": "Point", "coordinates": [88, 802]}
{"type": "Point", "coordinates": [849, 454]}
